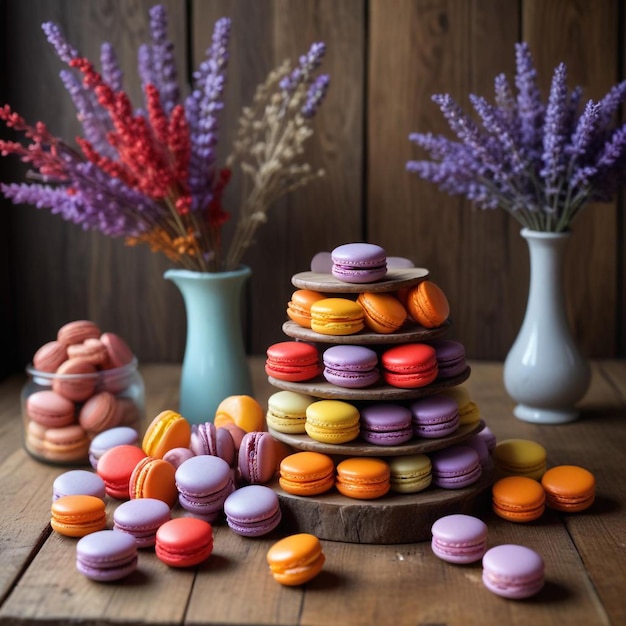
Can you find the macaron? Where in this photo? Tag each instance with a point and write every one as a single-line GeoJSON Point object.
{"type": "Point", "coordinates": [434, 417]}
{"type": "Point", "coordinates": [337, 316]}
{"type": "Point", "coordinates": [409, 365]}
{"type": "Point", "coordinates": [518, 499]}
{"type": "Point", "coordinates": [455, 467]}
{"type": "Point", "coordinates": [569, 488]}
{"type": "Point", "coordinates": [184, 542]}
{"type": "Point", "coordinates": [513, 571]}
{"type": "Point", "coordinates": [153, 478]}
{"type": "Point", "coordinates": [257, 458]}
{"type": "Point", "coordinates": [118, 351]}
{"type": "Point", "coordinates": [386, 424]}
{"type": "Point", "coordinates": [50, 409]}
{"type": "Point", "coordinates": [77, 515]}
{"type": "Point", "coordinates": [469, 413]}
{"type": "Point", "coordinates": [77, 331]}
{"type": "Point", "coordinates": [177, 456]}
{"type": "Point", "coordinates": [116, 466]}
{"type": "Point", "coordinates": [363, 478]}
{"type": "Point", "coordinates": [351, 366]}
{"type": "Point", "coordinates": [99, 413]}
{"type": "Point", "coordinates": [106, 556]}
{"type": "Point", "coordinates": [78, 482]}
{"type": "Point", "coordinates": [332, 421]}
{"type": "Point", "coordinates": [286, 411]}
{"type": "Point", "coordinates": [321, 262]}
{"type": "Point", "coordinates": [459, 538]}
{"type": "Point", "coordinates": [383, 312]}
{"type": "Point", "coordinates": [203, 483]}
{"type": "Point", "coordinates": [480, 445]}
{"type": "Point", "coordinates": [307, 473]}
{"type": "Point", "coordinates": [252, 511]}
{"type": "Point", "coordinates": [428, 305]}
{"type": "Point", "coordinates": [92, 350]}
{"type": "Point", "coordinates": [296, 559]}
{"type": "Point", "coordinates": [359, 263]}
{"type": "Point", "coordinates": [488, 437]}
{"type": "Point", "coordinates": [450, 356]}
{"type": "Point", "coordinates": [293, 361]}
{"type": "Point", "coordinates": [299, 307]}
{"type": "Point", "coordinates": [242, 411]}
{"type": "Point", "coordinates": [65, 445]}
{"type": "Point", "coordinates": [107, 439]}
{"type": "Point", "coordinates": [207, 439]}
{"type": "Point", "coordinates": [520, 457]}
{"type": "Point", "coordinates": [49, 357]}
{"type": "Point", "coordinates": [410, 473]}
{"type": "Point", "coordinates": [75, 379]}
{"type": "Point", "coordinates": [166, 431]}
{"type": "Point", "coordinates": [141, 518]}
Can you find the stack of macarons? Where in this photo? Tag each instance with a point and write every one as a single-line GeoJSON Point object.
{"type": "Point", "coordinates": [77, 392]}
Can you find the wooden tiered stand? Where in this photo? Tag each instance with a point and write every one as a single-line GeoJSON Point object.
{"type": "Point", "coordinates": [394, 518]}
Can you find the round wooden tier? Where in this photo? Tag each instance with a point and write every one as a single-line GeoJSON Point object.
{"type": "Point", "coordinates": [394, 518]}
{"type": "Point", "coordinates": [319, 388]}
{"type": "Point", "coordinates": [409, 333]}
{"type": "Point", "coordinates": [362, 448]}
{"type": "Point", "coordinates": [327, 283]}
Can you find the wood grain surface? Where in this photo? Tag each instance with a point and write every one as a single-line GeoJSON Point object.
{"type": "Point", "coordinates": [386, 61]}
{"type": "Point", "coordinates": [360, 584]}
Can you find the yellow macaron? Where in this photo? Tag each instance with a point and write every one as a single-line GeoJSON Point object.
{"type": "Point", "coordinates": [332, 421]}
{"type": "Point", "coordinates": [168, 430]}
{"type": "Point", "coordinates": [469, 412]}
{"type": "Point", "coordinates": [520, 457]}
{"type": "Point", "coordinates": [337, 316]}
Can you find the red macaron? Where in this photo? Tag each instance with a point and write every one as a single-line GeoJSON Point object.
{"type": "Point", "coordinates": [293, 361]}
{"type": "Point", "coordinates": [409, 365]}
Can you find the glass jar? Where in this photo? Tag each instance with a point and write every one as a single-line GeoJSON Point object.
{"type": "Point", "coordinates": [62, 413]}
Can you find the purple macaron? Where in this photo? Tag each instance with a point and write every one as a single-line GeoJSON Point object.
{"type": "Point", "coordinates": [141, 518]}
{"type": "Point", "coordinates": [459, 538]}
{"type": "Point", "coordinates": [257, 460]}
{"type": "Point", "coordinates": [110, 438]}
{"type": "Point", "coordinates": [435, 416]}
{"type": "Point", "coordinates": [106, 555]}
{"type": "Point", "coordinates": [455, 467]}
{"type": "Point", "coordinates": [203, 483]}
{"type": "Point", "coordinates": [78, 483]}
{"type": "Point", "coordinates": [450, 357]}
{"type": "Point", "coordinates": [488, 437]}
{"type": "Point", "coordinates": [351, 366]}
{"type": "Point", "coordinates": [207, 439]}
{"type": "Point", "coordinates": [252, 510]}
{"type": "Point", "coordinates": [386, 424]}
{"type": "Point", "coordinates": [359, 263]}
{"type": "Point", "coordinates": [513, 571]}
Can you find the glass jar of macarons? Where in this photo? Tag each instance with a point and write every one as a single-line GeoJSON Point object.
{"type": "Point", "coordinates": [79, 385]}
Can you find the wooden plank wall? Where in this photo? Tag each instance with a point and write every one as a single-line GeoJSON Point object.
{"type": "Point", "coordinates": [386, 58]}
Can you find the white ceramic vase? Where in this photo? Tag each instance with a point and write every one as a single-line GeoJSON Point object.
{"type": "Point", "coordinates": [544, 372]}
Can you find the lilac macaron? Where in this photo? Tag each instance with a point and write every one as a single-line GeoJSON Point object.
{"type": "Point", "coordinates": [351, 366]}
{"type": "Point", "coordinates": [78, 483]}
{"type": "Point", "coordinates": [257, 460]}
{"type": "Point", "coordinates": [204, 482]}
{"type": "Point", "coordinates": [450, 356]}
{"type": "Point", "coordinates": [386, 424]}
{"type": "Point", "coordinates": [359, 263]}
{"type": "Point", "coordinates": [141, 518]}
{"type": "Point", "coordinates": [207, 439]}
{"type": "Point", "coordinates": [253, 510]}
{"type": "Point", "coordinates": [459, 538]}
{"type": "Point", "coordinates": [110, 438]}
{"type": "Point", "coordinates": [106, 555]}
{"type": "Point", "coordinates": [480, 445]}
{"type": "Point", "coordinates": [488, 437]}
{"type": "Point", "coordinates": [455, 467]}
{"type": "Point", "coordinates": [435, 416]}
{"type": "Point", "coordinates": [513, 571]}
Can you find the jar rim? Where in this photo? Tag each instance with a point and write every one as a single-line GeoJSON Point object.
{"type": "Point", "coordinates": [104, 374]}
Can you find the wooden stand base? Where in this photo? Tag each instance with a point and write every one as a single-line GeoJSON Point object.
{"type": "Point", "coordinates": [395, 518]}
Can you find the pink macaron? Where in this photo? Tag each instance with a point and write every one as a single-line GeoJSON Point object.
{"type": "Point", "coordinates": [99, 413]}
{"type": "Point", "coordinates": [50, 409]}
{"type": "Point", "coordinates": [76, 379]}
{"type": "Point", "coordinates": [50, 356]}
{"type": "Point", "coordinates": [513, 571]}
{"type": "Point", "coordinates": [77, 331]}
{"type": "Point", "coordinates": [351, 366]}
{"type": "Point", "coordinates": [253, 510]}
{"type": "Point", "coordinates": [257, 458]}
{"type": "Point", "coordinates": [459, 538]}
{"type": "Point", "coordinates": [118, 351]}
{"type": "Point", "coordinates": [455, 467]}
{"type": "Point", "coordinates": [385, 424]}
{"type": "Point", "coordinates": [435, 416]}
{"type": "Point", "coordinates": [92, 350]}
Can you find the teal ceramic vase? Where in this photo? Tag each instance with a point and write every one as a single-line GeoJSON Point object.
{"type": "Point", "coordinates": [215, 365]}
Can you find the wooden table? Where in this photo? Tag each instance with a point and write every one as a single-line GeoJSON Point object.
{"type": "Point", "coordinates": [585, 553]}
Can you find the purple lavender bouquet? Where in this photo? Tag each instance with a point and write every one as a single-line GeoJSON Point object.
{"type": "Point", "coordinates": [540, 162]}
{"type": "Point", "coordinates": [149, 174]}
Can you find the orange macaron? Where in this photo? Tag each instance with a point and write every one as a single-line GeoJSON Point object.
{"type": "Point", "coordinates": [241, 411]}
{"type": "Point", "coordinates": [383, 312]}
{"type": "Point", "coordinates": [363, 478]}
{"type": "Point", "coordinates": [78, 515]}
{"type": "Point", "coordinates": [518, 499]}
{"type": "Point", "coordinates": [428, 304]}
{"type": "Point", "coordinates": [153, 478]}
{"type": "Point", "coordinates": [307, 473]}
{"type": "Point", "coordinates": [296, 559]}
{"type": "Point", "coordinates": [299, 307]}
{"type": "Point", "coordinates": [569, 488]}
